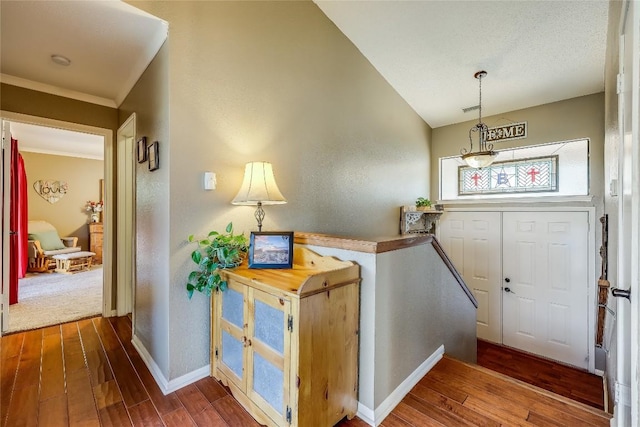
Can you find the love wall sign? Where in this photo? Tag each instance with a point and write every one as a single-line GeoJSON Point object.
{"type": "Point", "coordinates": [51, 190]}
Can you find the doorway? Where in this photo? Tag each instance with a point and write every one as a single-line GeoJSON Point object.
{"type": "Point", "coordinates": [532, 274]}
{"type": "Point", "coordinates": [105, 305]}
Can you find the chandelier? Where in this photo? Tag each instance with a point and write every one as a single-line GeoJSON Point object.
{"type": "Point", "coordinates": [484, 155]}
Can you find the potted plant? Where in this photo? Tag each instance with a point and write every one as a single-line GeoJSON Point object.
{"type": "Point", "coordinates": [218, 251]}
{"type": "Point", "coordinates": [423, 204]}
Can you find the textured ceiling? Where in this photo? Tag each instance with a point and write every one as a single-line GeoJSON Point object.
{"type": "Point", "coordinates": [535, 52]}
{"type": "Point", "coordinates": [109, 43]}
{"type": "Point", "coordinates": [46, 140]}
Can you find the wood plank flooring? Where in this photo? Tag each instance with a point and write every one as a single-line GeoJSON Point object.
{"type": "Point", "coordinates": [457, 394]}
{"type": "Point", "coordinates": [87, 373]}
{"type": "Point", "coordinates": [561, 379]}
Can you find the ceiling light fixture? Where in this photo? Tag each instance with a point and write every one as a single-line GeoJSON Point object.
{"type": "Point", "coordinates": [61, 60]}
{"type": "Point", "coordinates": [485, 154]}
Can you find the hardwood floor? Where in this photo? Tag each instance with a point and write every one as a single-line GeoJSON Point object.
{"type": "Point", "coordinates": [87, 373]}
{"type": "Point", "coordinates": [564, 380]}
{"type": "Point", "coordinates": [457, 394]}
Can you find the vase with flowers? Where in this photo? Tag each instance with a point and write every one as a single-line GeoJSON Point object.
{"type": "Point", "coordinates": [94, 208]}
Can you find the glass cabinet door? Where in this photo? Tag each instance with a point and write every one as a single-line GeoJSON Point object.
{"type": "Point", "coordinates": [268, 358]}
{"type": "Point", "coordinates": [232, 339]}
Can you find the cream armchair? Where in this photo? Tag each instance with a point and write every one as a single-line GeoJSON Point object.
{"type": "Point", "coordinates": [44, 243]}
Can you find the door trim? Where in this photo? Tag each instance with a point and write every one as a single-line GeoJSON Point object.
{"type": "Point", "coordinates": [5, 179]}
{"type": "Point", "coordinates": [107, 134]}
{"type": "Point", "coordinates": [592, 308]}
{"type": "Point", "coordinates": [126, 245]}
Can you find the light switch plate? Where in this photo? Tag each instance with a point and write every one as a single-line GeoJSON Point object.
{"type": "Point", "coordinates": [209, 181]}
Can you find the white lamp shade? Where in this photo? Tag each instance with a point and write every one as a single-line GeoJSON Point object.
{"type": "Point", "coordinates": [259, 185]}
{"type": "Point", "coordinates": [480, 160]}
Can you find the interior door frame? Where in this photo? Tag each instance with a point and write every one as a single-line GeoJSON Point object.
{"type": "Point", "coordinates": [126, 245]}
{"type": "Point", "coordinates": [591, 254]}
{"type": "Point", "coordinates": [107, 134]}
{"type": "Point", "coordinates": [5, 172]}
{"type": "Point", "coordinates": [627, 395]}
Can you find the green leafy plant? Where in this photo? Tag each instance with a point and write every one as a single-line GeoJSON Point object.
{"type": "Point", "coordinates": [218, 251]}
{"type": "Point", "coordinates": [421, 202]}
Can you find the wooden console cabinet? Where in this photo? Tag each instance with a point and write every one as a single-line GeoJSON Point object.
{"type": "Point", "coordinates": [286, 341]}
{"type": "Point", "coordinates": [95, 241]}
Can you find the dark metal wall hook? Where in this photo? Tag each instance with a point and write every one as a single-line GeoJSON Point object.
{"type": "Point", "coordinates": [621, 293]}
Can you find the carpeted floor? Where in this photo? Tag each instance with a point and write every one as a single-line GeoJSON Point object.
{"type": "Point", "coordinates": [48, 299]}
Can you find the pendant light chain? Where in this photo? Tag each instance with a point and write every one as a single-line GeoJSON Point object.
{"type": "Point", "coordinates": [480, 76]}
{"type": "Point", "coordinates": [485, 154]}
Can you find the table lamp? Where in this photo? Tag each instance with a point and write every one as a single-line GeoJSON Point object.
{"type": "Point", "coordinates": [259, 188]}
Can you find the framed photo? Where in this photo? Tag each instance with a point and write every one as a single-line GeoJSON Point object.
{"type": "Point", "coordinates": [154, 156]}
{"type": "Point", "coordinates": [142, 149]}
{"type": "Point", "coordinates": [271, 249]}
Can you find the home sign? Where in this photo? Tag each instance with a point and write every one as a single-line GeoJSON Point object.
{"type": "Point", "coordinates": [508, 132]}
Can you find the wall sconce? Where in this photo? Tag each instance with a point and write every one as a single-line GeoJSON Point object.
{"type": "Point", "coordinates": [259, 188]}
{"type": "Point", "coordinates": [485, 154]}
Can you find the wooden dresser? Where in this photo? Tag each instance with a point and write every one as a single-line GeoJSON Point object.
{"type": "Point", "coordinates": [95, 241]}
{"type": "Point", "coordinates": [286, 341]}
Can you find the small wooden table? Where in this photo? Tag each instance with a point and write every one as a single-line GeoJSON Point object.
{"type": "Point", "coordinates": [95, 241]}
{"type": "Point", "coordinates": [76, 261]}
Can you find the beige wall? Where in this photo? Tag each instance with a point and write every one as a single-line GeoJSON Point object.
{"type": "Point", "coordinates": [274, 81]}
{"type": "Point", "coordinates": [83, 178]}
{"type": "Point", "coordinates": [575, 118]}
{"type": "Point", "coordinates": [149, 99]}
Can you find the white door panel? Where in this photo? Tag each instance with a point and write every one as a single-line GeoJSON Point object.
{"type": "Point", "coordinates": [545, 294]}
{"type": "Point", "coordinates": [472, 241]}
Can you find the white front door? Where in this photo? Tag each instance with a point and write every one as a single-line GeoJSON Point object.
{"type": "Point", "coordinates": [545, 284]}
{"type": "Point", "coordinates": [473, 242]}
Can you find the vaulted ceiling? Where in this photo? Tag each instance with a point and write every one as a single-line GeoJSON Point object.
{"type": "Point", "coordinates": [535, 52]}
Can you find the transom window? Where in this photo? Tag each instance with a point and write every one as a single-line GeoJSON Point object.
{"type": "Point", "coordinates": [556, 169]}
{"type": "Point", "coordinates": [517, 176]}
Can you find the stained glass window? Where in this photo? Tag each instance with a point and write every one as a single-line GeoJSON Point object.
{"type": "Point", "coordinates": [516, 176]}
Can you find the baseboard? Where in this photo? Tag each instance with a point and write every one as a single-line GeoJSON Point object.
{"type": "Point", "coordinates": [375, 418]}
{"type": "Point", "coordinates": [366, 414]}
{"type": "Point", "coordinates": [165, 385]}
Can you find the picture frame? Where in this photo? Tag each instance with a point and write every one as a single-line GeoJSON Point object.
{"type": "Point", "coordinates": [154, 156]}
{"type": "Point", "coordinates": [271, 249]}
{"type": "Point", "coordinates": [141, 146]}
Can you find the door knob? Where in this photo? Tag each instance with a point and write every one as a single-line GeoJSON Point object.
{"type": "Point", "coordinates": [507, 280]}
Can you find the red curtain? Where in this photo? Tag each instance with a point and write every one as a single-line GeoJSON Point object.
{"type": "Point", "coordinates": [17, 222]}
{"type": "Point", "coordinates": [23, 219]}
